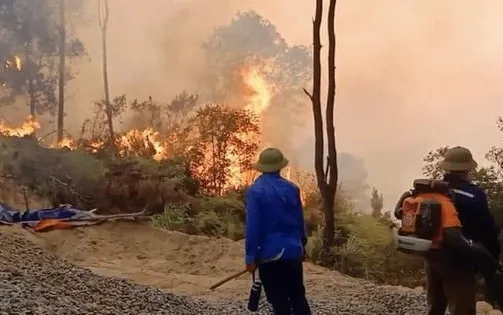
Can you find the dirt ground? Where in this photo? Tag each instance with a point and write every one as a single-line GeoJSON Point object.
{"type": "Point", "coordinates": [172, 261]}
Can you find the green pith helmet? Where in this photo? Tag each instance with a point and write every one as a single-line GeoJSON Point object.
{"type": "Point", "coordinates": [271, 160]}
{"type": "Point", "coordinates": [458, 159]}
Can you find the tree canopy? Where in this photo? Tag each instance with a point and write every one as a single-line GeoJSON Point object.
{"type": "Point", "coordinates": [250, 38]}
{"type": "Point", "coordinates": [29, 33]}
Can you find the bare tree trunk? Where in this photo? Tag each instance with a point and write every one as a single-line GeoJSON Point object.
{"type": "Point", "coordinates": [31, 87]}
{"type": "Point", "coordinates": [326, 177]}
{"type": "Point", "coordinates": [62, 57]}
{"type": "Point", "coordinates": [332, 169]}
{"type": "Point", "coordinates": [108, 108]}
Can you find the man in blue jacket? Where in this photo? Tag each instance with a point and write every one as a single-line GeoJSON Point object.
{"type": "Point", "coordinates": [275, 235]}
{"type": "Point", "coordinates": [470, 200]}
{"type": "Point", "coordinates": [473, 210]}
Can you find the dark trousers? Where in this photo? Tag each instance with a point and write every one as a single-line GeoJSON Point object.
{"type": "Point", "coordinates": [283, 283]}
{"type": "Point", "coordinates": [452, 286]}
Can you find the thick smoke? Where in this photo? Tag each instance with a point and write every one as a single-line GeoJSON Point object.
{"type": "Point", "coordinates": [411, 76]}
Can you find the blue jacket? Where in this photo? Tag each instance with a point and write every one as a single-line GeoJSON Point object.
{"type": "Point", "coordinates": [274, 220]}
{"type": "Point", "coordinates": [477, 222]}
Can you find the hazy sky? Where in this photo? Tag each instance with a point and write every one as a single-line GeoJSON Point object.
{"type": "Point", "coordinates": [412, 75]}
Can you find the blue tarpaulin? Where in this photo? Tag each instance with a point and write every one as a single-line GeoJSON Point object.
{"type": "Point", "coordinates": [62, 217]}
{"type": "Point", "coordinates": [11, 215]}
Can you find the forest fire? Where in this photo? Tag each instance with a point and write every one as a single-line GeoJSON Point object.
{"type": "Point", "coordinates": [260, 95]}
{"type": "Point", "coordinates": [146, 140]}
{"type": "Point", "coordinates": [28, 127]}
{"type": "Point", "coordinates": [259, 88]}
{"type": "Point", "coordinates": [151, 143]}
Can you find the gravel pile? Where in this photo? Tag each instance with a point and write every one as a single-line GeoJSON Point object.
{"type": "Point", "coordinates": [33, 281]}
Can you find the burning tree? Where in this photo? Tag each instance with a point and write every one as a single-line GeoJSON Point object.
{"type": "Point", "coordinates": [226, 141]}
{"type": "Point", "coordinates": [28, 48]}
{"type": "Point", "coordinates": [327, 176]}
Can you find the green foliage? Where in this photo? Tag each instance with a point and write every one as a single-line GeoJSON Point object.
{"type": "Point", "coordinates": [213, 216]}
{"type": "Point", "coordinates": [227, 210]}
{"type": "Point", "coordinates": [367, 252]}
{"type": "Point", "coordinates": [174, 217]}
{"type": "Point", "coordinates": [376, 203]}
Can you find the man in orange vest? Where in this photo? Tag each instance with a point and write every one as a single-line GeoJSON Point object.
{"type": "Point", "coordinates": [432, 229]}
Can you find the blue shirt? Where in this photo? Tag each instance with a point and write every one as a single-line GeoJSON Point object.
{"type": "Point", "coordinates": [477, 221]}
{"type": "Point", "coordinates": [274, 220]}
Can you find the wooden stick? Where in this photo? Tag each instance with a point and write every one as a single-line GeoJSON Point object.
{"type": "Point", "coordinates": [229, 278]}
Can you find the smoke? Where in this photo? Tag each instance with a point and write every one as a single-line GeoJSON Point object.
{"type": "Point", "coordinates": [411, 75]}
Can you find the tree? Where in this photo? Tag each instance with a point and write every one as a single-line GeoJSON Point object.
{"type": "Point", "coordinates": [250, 39]}
{"type": "Point", "coordinates": [167, 117]}
{"type": "Point", "coordinates": [326, 177]}
{"type": "Point", "coordinates": [179, 108]}
{"type": "Point", "coordinates": [224, 144]}
{"type": "Point", "coordinates": [376, 203]}
{"type": "Point", "coordinates": [29, 47]}
{"type": "Point", "coordinates": [62, 57]}
{"type": "Point", "coordinates": [103, 23]}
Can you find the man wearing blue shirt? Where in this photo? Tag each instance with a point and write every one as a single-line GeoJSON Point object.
{"type": "Point", "coordinates": [471, 203]}
{"type": "Point", "coordinates": [470, 200]}
{"type": "Point", "coordinates": [275, 235]}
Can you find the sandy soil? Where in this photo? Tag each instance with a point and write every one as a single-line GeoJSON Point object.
{"type": "Point", "coordinates": [171, 261]}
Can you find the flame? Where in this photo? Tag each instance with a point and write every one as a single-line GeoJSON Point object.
{"type": "Point", "coordinates": [65, 143]}
{"type": "Point", "coordinates": [17, 61]}
{"type": "Point", "coordinates": [149, 142]}
{"type": "Point", "coordinates": [28, 127]}
{"type": "Point", "coordinates": [261, 91]}
{"type": "Point", "coordinates": [258, 94]}
{"type": "Point", "coordinates": [145, 140]}
{"type": "Point", "coordinates": [287, 174]}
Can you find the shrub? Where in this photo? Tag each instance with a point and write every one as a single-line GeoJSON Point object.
{"type": "Point", "coordinates": [213, 216]}
{"type": "Point", "coordinates": [367, 252]}
{"type": "Point", "coordinates": [228, 210]}
{"type": "Point", "coordinates": [174, 217]}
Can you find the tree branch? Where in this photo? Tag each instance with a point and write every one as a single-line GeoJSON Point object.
{"type": "Point", "coordinates": [308, 94]}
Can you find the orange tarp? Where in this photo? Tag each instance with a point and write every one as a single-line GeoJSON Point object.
{"type": "Point", "coordinates": [51, 224]}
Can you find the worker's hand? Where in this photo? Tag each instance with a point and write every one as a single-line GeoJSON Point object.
{"type": "Point", "coordinates": [251, 268]}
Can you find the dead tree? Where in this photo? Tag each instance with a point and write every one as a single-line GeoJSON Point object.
{"type": "Point", "coordinates": [62, 59]}
{"type": "Point", "coordinates": [103, 23]}
{"type": "Point", "coordinates": [326, 174]}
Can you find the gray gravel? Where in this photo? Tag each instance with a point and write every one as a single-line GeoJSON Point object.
{"type": "Point", "coordinates": [33, 281]}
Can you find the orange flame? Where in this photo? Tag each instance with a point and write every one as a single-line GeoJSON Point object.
{"type": "Point", "coordinates": [28, 127]}
{"type": "Point", "coordinates": [147, 139]}
{"type": "Point", "coordinates": [259, 99]}
{"type": "Point", "coordinates": [65, 143]}
{"type": "Point", "coordinates": [261, 90]}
